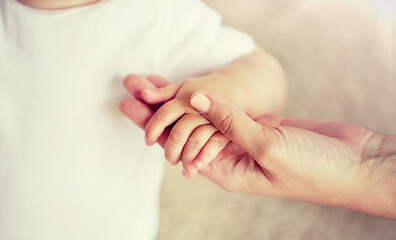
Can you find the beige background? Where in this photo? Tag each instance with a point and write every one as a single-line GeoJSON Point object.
{"type": "Point", "coordinates": [339, 57]}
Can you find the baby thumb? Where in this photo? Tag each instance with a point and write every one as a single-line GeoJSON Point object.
{"type": "Point", "coordinates": [230, 120]}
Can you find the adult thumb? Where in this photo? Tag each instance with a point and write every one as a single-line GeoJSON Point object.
{"type": "Point", "coordinates": [231, 121]}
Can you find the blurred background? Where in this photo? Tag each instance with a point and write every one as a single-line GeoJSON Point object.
{"type": "Point", "coordinates": [340, 59]}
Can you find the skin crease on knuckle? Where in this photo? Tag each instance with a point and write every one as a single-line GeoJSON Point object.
{"type": "Point", "coordinates": [163, 116]}
{"type": "Point", "coordinates": [206, 156]}
{"type": "Point", "coordinates": [155, 123]}
{"type": "Point", "coordinates": [177, 137]}
{"type": "Point", "coordinates": [212, 148]}
{"type": "Point", "coordinates": [215, 142]}
{"type": "Point", "coordinates": [176, 141]}
{"type": "Point", "coordinates": [197, 140]}
{"type": "Point", "coordinates": [174, 145]}
{"type": "Point", "coordinates": [194, 142]}
{"type": "Point", "coordinates": [218, 140]}
{"type": "Point", "coordinates": [201, 136]}
{"type": "Point", "coordinates": [160, 116]}
{"type": "Point", "coordinates": [225, 126]}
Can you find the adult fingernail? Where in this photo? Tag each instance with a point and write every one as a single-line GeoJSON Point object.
{"type": "Point", "coordinates": [200, 102]}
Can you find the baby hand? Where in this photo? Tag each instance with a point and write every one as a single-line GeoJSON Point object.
{"type": "Point", "coordinates": [193, 139]}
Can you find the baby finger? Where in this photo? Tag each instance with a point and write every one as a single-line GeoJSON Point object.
{"type": "Point", "coordinates": [211, 149]}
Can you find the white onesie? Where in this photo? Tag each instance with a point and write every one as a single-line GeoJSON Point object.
{"type": "Point", "coordinates": [72, 167]}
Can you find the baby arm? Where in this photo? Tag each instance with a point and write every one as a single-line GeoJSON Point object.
{"type": "Point", "coordinates": [255, 83]}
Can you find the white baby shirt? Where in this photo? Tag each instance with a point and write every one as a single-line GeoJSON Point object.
{"type": "Point", "coordinates": [72, 167]}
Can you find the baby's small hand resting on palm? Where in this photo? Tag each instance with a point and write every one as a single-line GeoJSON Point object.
{"type": "Point", "coordinates": [193, 140]}
{"type": "Point", "coordinates": [255, 83]}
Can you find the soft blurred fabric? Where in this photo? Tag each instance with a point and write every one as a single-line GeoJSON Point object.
{"type": "Point", "coordinates": [340, 59]}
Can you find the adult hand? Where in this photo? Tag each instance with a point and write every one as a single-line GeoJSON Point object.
{"type": "Point", "coordinates": [331, 163]}
{"type": "Point", "coordinates": [325, 162]}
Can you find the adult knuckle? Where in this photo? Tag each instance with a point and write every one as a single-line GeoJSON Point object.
{"type": "Point", "coordinates": [225, 125]}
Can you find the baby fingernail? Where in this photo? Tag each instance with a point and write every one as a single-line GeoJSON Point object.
{"type": "Point", "coordinates": [200, 102]}
{"type": "Point", "coordinates": [198, 164]}
{"type": "Point", "coordinates": [185, 173]}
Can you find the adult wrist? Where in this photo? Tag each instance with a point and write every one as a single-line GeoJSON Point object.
{"type": "Point", "coordinates": [379, 173]}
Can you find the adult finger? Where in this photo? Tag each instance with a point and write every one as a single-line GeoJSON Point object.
{"type": "Point", "coordinates": [158, 80]}
{"type": "Point", "coordinates": [135, 83]}
{"type": "Point", "coordinates": [136, 111]}
{"type": "Point", "coordinates": [233, 123]}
